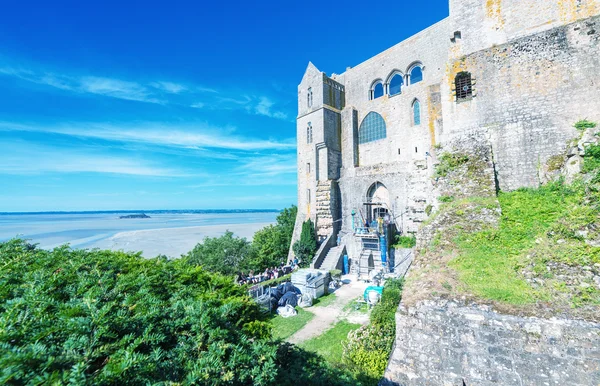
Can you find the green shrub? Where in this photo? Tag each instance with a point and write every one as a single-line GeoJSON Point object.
{"type": "Point", "coordinates": [450, 162]}
{"type": "Point", "coordinates": [306, 247]}
{"type": "Point", "coordinates": [585, 124]}
{"type": "Point", "coordinates": [446, 199]}
{"type": "Point", "coordinates": [102, 317]}
{"type": "Point", "coordinates": [368, 349]}
{"type": "Point", "coordinates": [406, 242]}
{"type": "Point", "coordinates": [335, 273]}
{"type": "Point", "coordinates": [428, 210]}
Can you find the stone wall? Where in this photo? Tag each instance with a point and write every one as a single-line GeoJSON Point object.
{"type": "Point", "coordinates": [447, 343]}
{"type": "Point", "coordinates": [529, 93]}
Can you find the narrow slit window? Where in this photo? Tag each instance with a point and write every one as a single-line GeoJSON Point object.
{"type": "Point", "coordinates": [309, 98]}
{"type": "Point", "coordinates": [417, 112]}
{"type": "Point", "coordinates": [308, 167]}
{"type": "Point", "coordinates": [309, 133]}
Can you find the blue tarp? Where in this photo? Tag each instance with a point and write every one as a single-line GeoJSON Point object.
{"type": "Point", "coordinates": [372, 288]}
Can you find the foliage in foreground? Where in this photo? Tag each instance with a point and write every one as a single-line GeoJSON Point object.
{"type": "Point", "coordinates": [369, 347]}
{"type": "Point", "coordinates": [110, 318]}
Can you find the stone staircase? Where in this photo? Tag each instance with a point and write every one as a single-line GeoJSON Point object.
{"type": "Point", "coordinates": [332, 259]}
{"type": "Point", "coordinates": [324, 223]}
{"type": "Point", "coordinates": [365, 267]}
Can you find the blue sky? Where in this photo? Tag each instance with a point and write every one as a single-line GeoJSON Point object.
{"type": "Point", "coordinates": [170, 105]}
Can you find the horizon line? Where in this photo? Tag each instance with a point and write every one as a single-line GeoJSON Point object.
{"type": "Point", "coordinates": [143, 211]}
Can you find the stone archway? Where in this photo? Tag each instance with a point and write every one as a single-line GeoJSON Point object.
{"type": "Point", "coordinates": [377, 202]}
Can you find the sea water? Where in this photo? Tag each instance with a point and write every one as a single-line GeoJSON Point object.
{"type": "Point", "coordinates": [165, 232]}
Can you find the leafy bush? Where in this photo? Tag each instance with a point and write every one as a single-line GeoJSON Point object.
{"type": "Point", "coordinates": [591, 159]}
{"type": "Point", "coordinates": [405, 242]}
{"type": "Point", "coordinates": [229, 254]}
{"type": "Point", "coordinates": [270, 245]}
{"type": "Point", "coordinates": [103, 317]}
{"type": "Point", "coordinates": [446, 199]}
{"type": "Point", "coordinates": [450, 162]}
{"type": "Point", "coordinates": [306, 247]}
{"type": "Point", "coordinates": [585, 124]}
{"type": "Point", "coordinates": [226, 254]}
{"type": "Point", "coordinates": [368, 349]}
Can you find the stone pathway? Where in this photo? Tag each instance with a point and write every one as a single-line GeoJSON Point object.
{"type": "Point", "coordinates": [326, 317]}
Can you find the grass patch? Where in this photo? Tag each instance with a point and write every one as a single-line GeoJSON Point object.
{"type": "Point", "coordinates": [450, 162]}
{"type": "Point", "coordinates": [325, 300]}
{"type": "Point", "coordinates": [585, 124]}
{"type": "Point", "coordinates": [490, 261]}
{"type": "Point", "coordinates": [283, 328]}
{"type": "Point", "coordinates": [329, 344]}
{"type": "Point", "coordinates": [357, 306]}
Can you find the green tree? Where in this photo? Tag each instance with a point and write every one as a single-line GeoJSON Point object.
{"type": "Point", "coordinates": [306, 247]}
{"type": "Point", "coordinates": [226, 254]}
{"type": "Point", "coordinates": [271, 244]}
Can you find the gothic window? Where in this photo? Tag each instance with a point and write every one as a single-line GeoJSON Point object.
{"type": "Point", "coordinates": [309, 98]}
{"type": "Point", "coordinates": [464, 86]}
{"type": "Point", "coordinates": [377, 90]}
{"type": "Point", "coordinates": [416, 107]}
{"type": "Point", "coordinates": [309, 133]}
{"type": "Point", "coordinates": [372, 128]}
{"type": "Point", "coordinates": [396, 84]}
{"type": "Point", "coordinates": [416, 75]}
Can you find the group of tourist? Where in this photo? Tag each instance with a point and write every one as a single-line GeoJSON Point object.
{"type": "Point", "coordinates": [269, 273]}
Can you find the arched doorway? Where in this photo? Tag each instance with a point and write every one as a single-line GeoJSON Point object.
{"type": "Point", "coordinates": [377, 203]}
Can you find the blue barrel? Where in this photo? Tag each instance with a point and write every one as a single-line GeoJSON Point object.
{"type": "Point", "coordinates": [383, 244]}
{"type": "Point", "coordinates": [346, 267]}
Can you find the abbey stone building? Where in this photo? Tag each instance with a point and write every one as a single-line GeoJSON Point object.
{"type": "Point", "coordinates": [516, 74]}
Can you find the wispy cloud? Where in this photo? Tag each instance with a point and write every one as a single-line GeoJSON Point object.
{"type": "Point", "coordinates": [158, 92]}
{"type": "Point", "coordinates": [187, 136]}
{"type": "Point", "coordinates": [26, 158]}
{"type": "Point", "coordinates": [109, 87]}
{"type": "Point", "coordinates": [169, 87]}
{"type": "Point", "coordinates": [265, 107]}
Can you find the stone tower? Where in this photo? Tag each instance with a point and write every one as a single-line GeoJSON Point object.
{"type": "Point", "coordinates": [320, 101]}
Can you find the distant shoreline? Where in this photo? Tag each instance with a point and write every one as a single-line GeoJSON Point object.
{"type": "Point", "coordinates": [156, 211]}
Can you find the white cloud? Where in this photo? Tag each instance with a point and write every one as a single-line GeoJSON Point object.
{"type": "Point", "coordinates": [170, 87]}
{"type": "Point", "coordinates": [33, 159]}
{"type": "Point", "coordinates": [188, 136]}
{"type": "Point", "coordinates": [264, 107]}
{"type": "Point", "coordinates": [158, 92]}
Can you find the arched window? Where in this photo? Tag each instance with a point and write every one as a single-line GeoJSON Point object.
{"type": "Point", "coordinates": [372, 128]}
{"type": "Point", "coordinates": [309, 137]}
{"type": "Point", "coordinates": [309, 98]}
{"type": "Point", "coordinates": [416, 107]}
{"type": "Point", "coordinates": [416, 75]}
{"type": "Point", "coordinates": [376, 90]}
{"type": "Point", "coordinates": [464, 85]}
{"type": "Point", "coordinates": [396, 84]}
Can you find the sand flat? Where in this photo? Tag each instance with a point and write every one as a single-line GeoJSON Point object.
{"type": "Point", "coordinates": [172, 242]}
